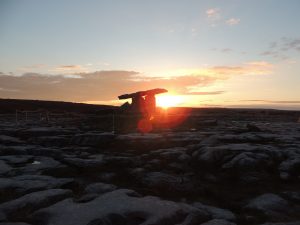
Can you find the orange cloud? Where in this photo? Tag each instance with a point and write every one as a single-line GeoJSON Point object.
{"type": "Point", "coordinates": [272, 101]}
{"type": "Point", "coordinates": [249, 68]}
{"type": "Point", "coordinates": [205, 93]}
{"type": "Point", "coordinates": [70, 69]}
{"type": "Point", "coordinates": [32, 67]}
{"type": "Point", "coordinates": [223, 72]}
{"type": "Point", "coordinates": [107, 85]}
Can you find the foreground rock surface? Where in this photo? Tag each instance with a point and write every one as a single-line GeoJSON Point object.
{"type": "Point", "coordinates": [120, 207]}
{"type": "Point", "coordinates": [213, 171]}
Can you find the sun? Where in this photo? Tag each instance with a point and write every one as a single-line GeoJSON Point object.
{"type": "Point", "coordinates": [166, 101]}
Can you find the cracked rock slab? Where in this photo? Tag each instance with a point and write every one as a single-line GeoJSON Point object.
{"type": "Point", "coordinates": [27, 204]}
{"type": "Point", "coordinates": [120, 207]}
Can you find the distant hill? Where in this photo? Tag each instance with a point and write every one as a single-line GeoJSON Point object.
{"type": "Point", "coordinates": [11, 105]}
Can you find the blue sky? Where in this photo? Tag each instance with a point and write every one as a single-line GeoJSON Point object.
{"type": "Point", "coordinates": [212, 53]}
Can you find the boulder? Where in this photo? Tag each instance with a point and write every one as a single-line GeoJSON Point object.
{"type": "Point", "coordinates": [16, 160]}
{"type": "Point", "coordinates": [107, 176]}
{"type": "Point", "coordinates": [41, 165]}
{"type": "Point", "coordinates": [99, 188]}
{"type": "Point", "coordinates": [237, 156]}
{"type": "Point", "coordinates": [119, 207]}
{"type": "Point", "coordinates": [43, 151]}
{"type": "Point", "coordinates": [59, 141]}
{"type": "Point", "coordinates": [169, 153]}
{"type": "Point", "coordinates": [27, 204]}
{"type": "Point", "coordinates": [12, 223]}
{"type": "Point", "coordinates": [92, 139]}
{"type": "Point", "coordinates": [184, 158]}
{"type": "Point", "coordinates": [14, 149]}
{"type": "Point", "coordinates": [4, 168]}
{"type": "Point", "coordinates": [248, 161]}
{"type": "Point", "coordinates": [253, 177]}
{"type": "Point", "coordinates": [137, 172]}
{"type": "Point", "coordinates": [19, 185]}
{"type": "Point", "coordinates": [207, 123]}
{"type": "Point", "coordinates": [8, 140]}
{"type": "Point", "coordinates": [159, 181]}
{"type": "Point", "coordinates": [292, 196]}
{"type": "Point", "coordinates": [270, 205]}
{"type": "Point", "coordinates": [283, 223]}
{"type": "Point", "coordinates": [253, 128]}
{"type": "Point", "coordinates": [44, 131]}
{"type": "Point", "coordinates": [218, 222]}
{"type": "Point", "coordinates": [94, 162]}
{"type": "Point", "coordinates": [290, 166]}
{"type": "Point", "coordinates": [216, 213]}
{"type": "Point", "coordinates": [121, 161]}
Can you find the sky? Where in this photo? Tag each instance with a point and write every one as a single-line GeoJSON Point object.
{"type": "Point", "coordinates": [232, 53]}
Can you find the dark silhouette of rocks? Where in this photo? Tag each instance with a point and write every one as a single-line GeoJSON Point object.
{"type": "Point", "coordinates": [219, 166]}
{"type": "Point", "coordinates": [142, 101]}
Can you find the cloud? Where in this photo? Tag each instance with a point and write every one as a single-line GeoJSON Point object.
{"type": "Point", "coordinates": [291, 43]}
{"type": "Point", "coordinates": [233, 21]}
{"type": "Point", "coordinates": [226, 50]}
{"type": "Point", "coordinates": [102, 85]}
{"type": "Point", "coordinates": [249, 68]}
{"type": "Point", "coordinates": [103, 64]}
{"type": "Point", "coordinates": [220, 73]}
{"type": "Point", "coordinates": [107, 85]}
{"type": "Point", "coordinates": [32, 67]}
{"type": "Point", "coordinates": [213, 13]}
{"type": "Point", "coordinates": [223, 50]}
{"type": "Point", "coordinates": [213, 16]}
{"type": "Point", "coordinates": [69, 69]}
{"type": "Point", "coordinates": [223, 72]}
{"type": "Point", "coordinates": [8, 90]}
{"type": "Point", "coordinates": [205, 93]}
{"type": "Point", "coordinates": [272, 101]}
{"type": "Point", "coordinates": [282, 48]}
{"type": "Point", "coordinates": [98, 85]}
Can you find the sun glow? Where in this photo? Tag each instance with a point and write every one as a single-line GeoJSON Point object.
{"type": "Point", "coordinates": [166, 101]}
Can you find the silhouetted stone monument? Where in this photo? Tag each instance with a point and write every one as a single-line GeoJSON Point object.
{"type": "Point", "coordinates": [143, 102]}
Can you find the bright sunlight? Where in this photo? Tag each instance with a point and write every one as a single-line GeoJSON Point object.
{"type": "Point", "coordinates": [166, 101]}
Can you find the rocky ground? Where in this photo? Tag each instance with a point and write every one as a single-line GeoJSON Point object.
{"type": "Point", "coordinates": [223, 172]}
